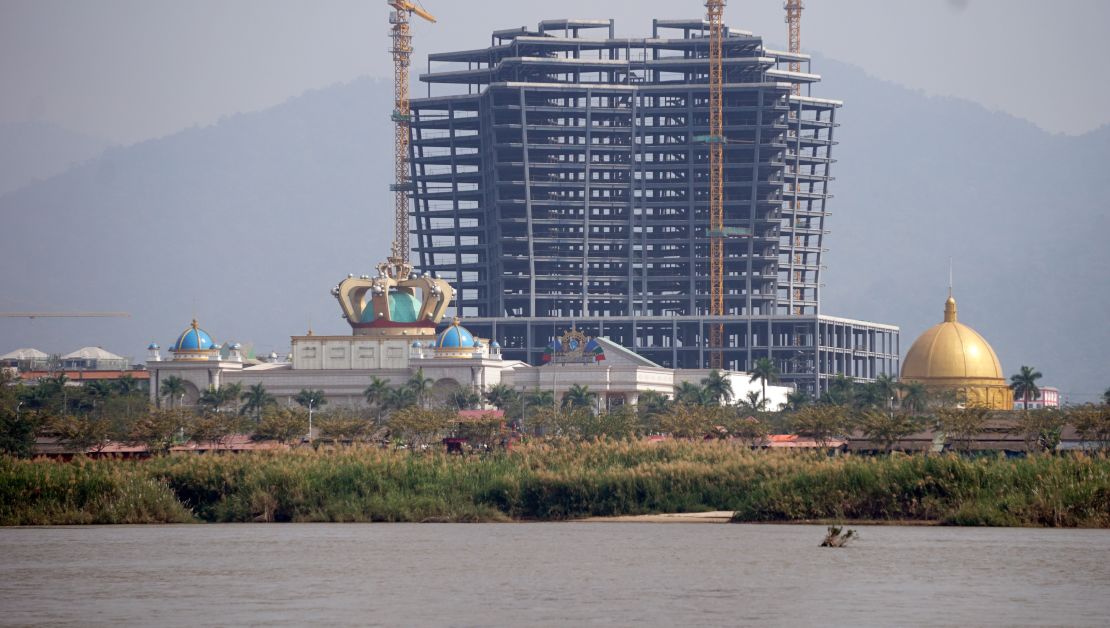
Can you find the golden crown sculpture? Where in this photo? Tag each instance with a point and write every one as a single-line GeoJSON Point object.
{"type": "Point", "coordinates": [397, 301]}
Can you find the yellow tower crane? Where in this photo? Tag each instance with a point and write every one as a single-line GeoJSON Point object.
{"type": "Point", "coordinates": [794, 27]}
{"type": "Point", "coordinates": [716, 140]}
{"type": "Point", "coordinates": [402, 117]}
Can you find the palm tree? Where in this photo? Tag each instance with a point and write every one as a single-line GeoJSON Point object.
{"type": "Point", "coordinates": [915, 397]}
{"type": "Point", "coordinates": [1106, 397]}
{"type": "Point", "coordinates": [717, 387]}
{"type": "Point", "coordinates": [465, 398]}
{"type": "Point", "coordinates": [420, 385]}
{"type": "Point", "coordinates": [754, 402]}
{"type": "Point", "coordinates": [886, 388]}
{"type": "Point", "coordinates": [399, 398]}
{"type": "Point", "coordinates": [99, 389]}
{"type": "Point", "coordinates": [173, 387]}
{"type": "Point", "coordinates": [540, 399]}
{"type": "Point", "coordinates": [841, 391]}
{"type": "Point", "coordinates": [1024, 384]}
{"type": "Point", "coordinates": [500, 396]}
{"type": "Point", "coordinates": [690, 394]}
{"type": "Point", "coordinates": [311, 399]}
{"type": "Point", "coordinates": [797, 399]}
{"type": "Point", "coordinates": [377, 394]}
{"type": "Point", "coordinates": [578, 396]}
{"type": "Point", "coordinates": [255, 399]}
{"type": "Point", "coordinates": [652, 402]}
{"type": "Point", "coordinates": [127, 385]}
{"type": "Point", "coordinates": [765, 371]}
{"type": "Point", "coordinates": [216, 398]}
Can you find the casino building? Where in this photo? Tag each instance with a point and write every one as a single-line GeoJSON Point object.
{"type": "Point", "coordinates": [398, 329]}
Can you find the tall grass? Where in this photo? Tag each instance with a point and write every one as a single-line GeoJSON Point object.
{"type": "Point", "coordinates": [551, 481]}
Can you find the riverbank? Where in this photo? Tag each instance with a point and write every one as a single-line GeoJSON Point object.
{"type": "Point", "coordinates": [546, 482]}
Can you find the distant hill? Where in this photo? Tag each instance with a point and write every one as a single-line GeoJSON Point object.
{"type": "Point", "coordinates": [250, 222]}
{"type": "Point", "coordinates": [35, 151]}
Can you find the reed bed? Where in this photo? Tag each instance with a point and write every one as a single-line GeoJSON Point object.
{"type": "Point", "coordinates": [552, 481]}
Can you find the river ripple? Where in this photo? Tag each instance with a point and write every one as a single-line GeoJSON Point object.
{"type": "Point", "coordinates": [557, 574]}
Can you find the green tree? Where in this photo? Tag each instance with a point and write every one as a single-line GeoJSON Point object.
{"type": "Point", "coordinates": [1040, 429]}
{"type": "Point", "coordinates": [419, 426]}
{"type": "Point", "coordinates": [540, 399]}
{"type": "Point", "coordinates": [215, 398]}
{"type": "Point", "coordinates": [501, 396]}
{"type": "Point", "coordinates": [88, 433]}
{"type": "Point", "coordinates": [684, 420]}
{"type": "Point", "coordinates": [651, 404]}
{"type": "Point", "coordinates": [159, 429]}
{"type": "Point", "coordinates": [281, 424]}
{"type": "Point", "coordinates": [127, 386]}
{"type": "Point", "coordinates": [98, 390]}
{"type": "Point", "coordinates": [17, 430]}
{"type": "Point", "coordinates": [464, 398]}
{"type": "Point", "coordinates": [822, 423]}
{"type": "Point", "coordinates": [1024, 384]}
{"type": "Point", "coordinates": [311, 399]}
{"type": "Point", "coordinates": [690, 394]}
{"type": "Point", "coordinates": [341, 426]}
{"type": "Point", "coordinates": [750, 431]}
{"type": "Point", "coordinates": [717, 387]}
{"type": "Point", "coordinates": [840, 391]}
{"type": "Point", "coordinates": [578, 396]}
{"type": "Point", "coordinates": [754, 402]}
{"type": "Point", "coordinates": [173, 387]}
{"type": "Point", "coordinates": [377, 395]}
{"type": "Point", "coordinates": [212, 428]}
{"type": "Point", "coordinates": [255, 399]}
{"type": "Point", "coordinates": [400, 398]}
{"type": "Point", "coordinates": [420, 385]}
{"type": "Point", "coordinates": [1092, 422]}
{"type": "Point", "coordinates": [764, 370]}
{"type": "Point", "coordinates": [962, 425]}
{"type": "Point", "coordinates": [797, 399]}
{"type": "Point", "coordinates": [1106, 397]}
{"type": "Point", "coordinates": [886, 428]}
{"type": "Point", "coordinates": [913, 396]}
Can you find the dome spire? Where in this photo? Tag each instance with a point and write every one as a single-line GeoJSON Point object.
{"type": "Point", "coordinates": [950, 304]}
{"type": "Point", "coordinates": [950, 309]}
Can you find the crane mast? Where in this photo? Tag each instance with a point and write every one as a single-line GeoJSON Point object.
{"type": "Point", "coordinates": [716, 139]}
{"type": "Point", "coordinates": [794, 26]}
{"type": "Point", "coordinates": [402, 118]}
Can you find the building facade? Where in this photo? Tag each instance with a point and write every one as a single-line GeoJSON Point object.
{"type": "Point", "coordinates": [562, 181]}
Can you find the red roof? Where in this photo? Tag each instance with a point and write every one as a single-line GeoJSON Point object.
{"type": "Point", "coordinates": [79, 375]}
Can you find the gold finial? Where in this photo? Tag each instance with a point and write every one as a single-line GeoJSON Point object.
{"type": "Point", "coordinates": [194, 323]}
{"type": "Point", "coordinates": [455, 321]}
{"type": "Point", "coordinates": [950, 309]}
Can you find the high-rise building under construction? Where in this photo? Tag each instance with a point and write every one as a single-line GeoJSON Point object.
{"type": "Point", "coordinates": [561, 179]}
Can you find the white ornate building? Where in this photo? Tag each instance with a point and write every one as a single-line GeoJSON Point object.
{"type": "Point", "coordinates": [394, 319]}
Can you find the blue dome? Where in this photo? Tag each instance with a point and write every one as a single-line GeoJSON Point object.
{"type": "Point", "coordinates": [152, 346]}
{"type": "Point", "coordinates": [455, 337]}
{"type": "Point", "coordinates": [193, 339]}
{"type": "Point", "coordinates": [494, 345]}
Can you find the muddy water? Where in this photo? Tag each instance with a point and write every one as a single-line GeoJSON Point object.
{"type": "Point", "coordinates": [557, 574]}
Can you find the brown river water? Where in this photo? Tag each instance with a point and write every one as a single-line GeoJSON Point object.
{"type": "Point", "coordinates": [551, 574]}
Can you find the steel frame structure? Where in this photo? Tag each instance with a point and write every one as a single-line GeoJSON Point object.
{"type": "Point", "coordinates": [560, 177]}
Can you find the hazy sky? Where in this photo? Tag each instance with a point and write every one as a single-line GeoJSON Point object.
{"type": "Point", "coordinates": [129, 70]}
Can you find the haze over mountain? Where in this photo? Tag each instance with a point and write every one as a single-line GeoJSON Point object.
{"type": "Point", "coordinates": [249, 222]}
{"type": "Point", "coordinates": [34, 151]}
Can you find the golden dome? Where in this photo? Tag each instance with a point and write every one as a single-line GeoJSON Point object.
{"type": "Point", "coordinates": [951, 351]}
